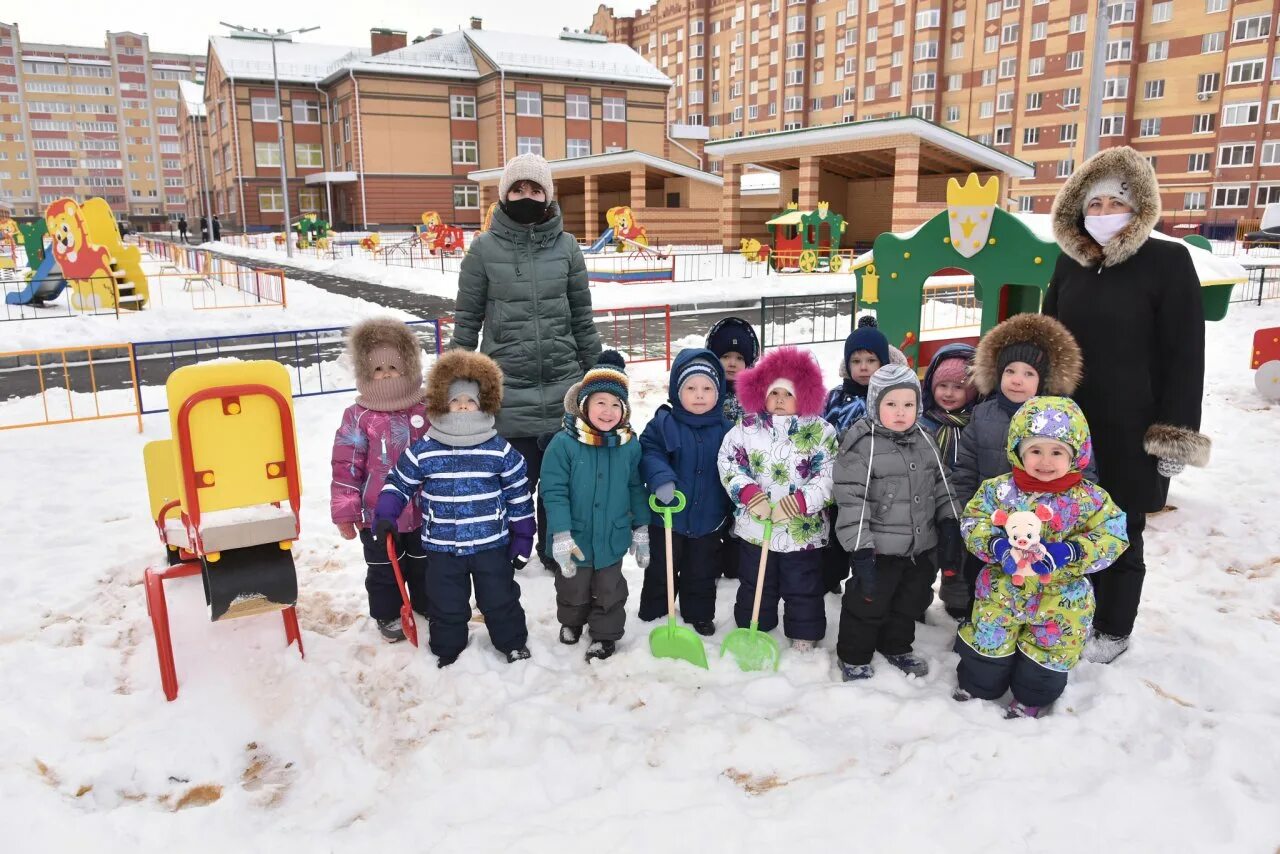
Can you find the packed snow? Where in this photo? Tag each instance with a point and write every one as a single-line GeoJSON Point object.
{"type": "Point", "coordinates": [361, 745]}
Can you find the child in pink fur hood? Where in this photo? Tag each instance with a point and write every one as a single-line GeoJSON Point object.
{"type": "Point", "coordinates": [777, 463]}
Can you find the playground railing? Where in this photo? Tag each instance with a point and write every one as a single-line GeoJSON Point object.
{"type": "Point", "coordinates": [640, 334]}
{"type": "Point", "coordinates": [1263, 284]}
{"type": "Point", "coordinates": [949, 306]}
{"type": "Point", "coordinates": [62, 385]}
{"type": "Point", "coordinates": [817, 319]}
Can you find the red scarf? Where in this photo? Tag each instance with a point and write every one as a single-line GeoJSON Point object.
{"type": "Point", "coordinates": [1029, 483]}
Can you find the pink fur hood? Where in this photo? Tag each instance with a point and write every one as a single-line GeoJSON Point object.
{"type": "Point", "coordinates": [790, 363]}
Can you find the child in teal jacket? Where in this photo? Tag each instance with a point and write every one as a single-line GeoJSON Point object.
{"type": "Point", "coordinates": [597, 508]}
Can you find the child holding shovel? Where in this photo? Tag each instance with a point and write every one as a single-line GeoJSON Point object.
{"type": "Point", "coordinates": [776, 464]}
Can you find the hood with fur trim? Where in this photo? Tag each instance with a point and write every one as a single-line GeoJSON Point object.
{"type": "Point", "coordinates": [464, 365]}
{"type": "Point", "coordinates": [367, 335]}
{"type": "Point", "coordinates": [790, 363]}
{"type": "Point", "coordinates": [1066, 364]}
{"type": "Point", "coordinates": [1130, 168]}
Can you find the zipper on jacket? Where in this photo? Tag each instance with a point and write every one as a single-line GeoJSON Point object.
{"type": "Point", "coordinates": [537, 329]}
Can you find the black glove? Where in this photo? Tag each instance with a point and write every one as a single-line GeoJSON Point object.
{"type": "Point", "coordinates": [519, 562]}
{"type": "Point", "coordinates": [863, 563]}
{"type": "Point", "coordinates": [950, 546]}
{"type": "Point", "coordinates": [382, 527]}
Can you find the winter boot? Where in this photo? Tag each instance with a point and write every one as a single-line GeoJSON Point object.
{"type": "Point", "coordinates": [705, 628]}
{"type": "Point", "coordinates": [1021, 710]}
{"type": "Point", "coordinates": [954, 593]}
{"type": "Point", "coordinates": [601, 649]}
{"type": "Point", "coordinates": [444, 661]}
{"type": "Point", "coordinates": [1102, 648]}
{"type": "Point", "coordinates": [960, 695]}
{"type": "Point", "coordinates": [391, 630]}
{"type": "Point", "coordinates": [856, 672]}
{"type": "Point", "coordinates": [802, 645]}
{"type": "Point", "coordinates": [909, 663]}
{"type": "Point", "coordinates": [570, 634]}
{"type": "Point", "coordinates": [518, 655]}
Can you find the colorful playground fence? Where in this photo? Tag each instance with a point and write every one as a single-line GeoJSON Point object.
{"type": "Point", "coordinates": [62, 385]}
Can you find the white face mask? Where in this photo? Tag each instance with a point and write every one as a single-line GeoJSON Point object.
{"type": "Point", "coordinates": [1103, 228]}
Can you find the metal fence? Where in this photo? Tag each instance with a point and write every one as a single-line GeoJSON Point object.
{"type": "Point", "coordinates": [806, 319]}
{"type": "Point", "coordinates": [62, 385]}
{"type": "Point", "coordinates": [1263, 284]}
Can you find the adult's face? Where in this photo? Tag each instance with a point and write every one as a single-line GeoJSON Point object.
{"type": "Point", "coordinates": [1107, 205]}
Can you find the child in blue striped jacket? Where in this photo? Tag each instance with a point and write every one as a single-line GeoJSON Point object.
{"type": "Point", "coordinates": [477, 516]}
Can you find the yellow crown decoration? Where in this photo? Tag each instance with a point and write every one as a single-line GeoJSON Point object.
{"type": "Point", "coordinates": [792, 206]}
{"type": "Point", "coordinates": [973, 193]}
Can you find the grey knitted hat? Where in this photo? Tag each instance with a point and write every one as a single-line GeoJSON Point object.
{"type": "Point", "coordinates": [1112, 185]}
{"type": "Point", "coordinates": [527, 167]}
{"type": "Point", "coordinates": [886, 379]}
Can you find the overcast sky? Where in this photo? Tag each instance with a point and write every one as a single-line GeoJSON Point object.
{"type": "Point", "coordinates": [185, 26]}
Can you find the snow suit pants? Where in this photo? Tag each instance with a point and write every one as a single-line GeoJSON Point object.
{"type": "Point", "coordinates": [793, 577]}
{"type": "Point", "coordinates": [532, 452]}
{"type": "Point", "coordinates": [835, 565]}
{"type": "Point", "coordinates": [885, 621]}
{"type": "Point", "coordinates": [697, 564]}
{"type": "Point", "coordinates": [449, 581]}
{"type": "Point", "coordinates": [1118, 588]}
{"type": "Point", "coordinates": [727, 558]}
{"type": "Point", "coordinates": [987, 678]}
{"type": "Point", "coordinates": [596, 598]}
{"type": "Point", "coordinates": [380, 578]}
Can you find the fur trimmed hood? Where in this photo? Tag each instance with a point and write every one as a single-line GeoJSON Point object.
{"type": "Point", "coordinates": [1130, 168]}
{"type": "Point", "coordinates": [464, 365]}
{"type": "Point", "coordinates": [790, 363]}
{"type": "Point", "coordinates": [368, 335]}
{"type": "Point", "coordinates": [1066, 365]}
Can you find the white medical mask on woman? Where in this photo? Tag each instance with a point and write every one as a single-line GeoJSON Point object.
{"type": "Point", "coordinates": [1103, 228]}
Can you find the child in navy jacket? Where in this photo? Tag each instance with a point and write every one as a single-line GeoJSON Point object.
{"type": "Point", "coordinates": [679, 447]}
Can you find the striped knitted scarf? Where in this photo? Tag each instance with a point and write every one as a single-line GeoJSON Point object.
{"type": "Point", "coordinates": [580, 429]}
{"type": "Point", "coordinates": [950, 425]}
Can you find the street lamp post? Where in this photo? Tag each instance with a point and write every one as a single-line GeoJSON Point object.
{"type": "Point", "coordinates": [278, 35]}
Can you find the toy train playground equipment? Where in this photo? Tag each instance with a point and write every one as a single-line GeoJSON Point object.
{"type": "Point", "coordinates": [1010, 264]}
{"type": "Point", "coordinates": [808, 241]}
{"type": "Point", "coordinates": [225, 493]}
{"type": "Point", "coordinates": [634, 260]}
{"type": "Point", "coordinates": [1266, 362]}
{"type": "Point", "coordinates": [438, 238]}
{"type": "Point", "coordinates": [84, 256]}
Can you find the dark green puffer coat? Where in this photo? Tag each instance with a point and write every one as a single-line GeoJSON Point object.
{"type": "Point", "coordinates": [527, 286]}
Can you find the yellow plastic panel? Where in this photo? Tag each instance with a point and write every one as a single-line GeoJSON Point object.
{"type": "Point", "coordinates": [101, 225]}
{"type": "Point", "coordinates": [162, 475]}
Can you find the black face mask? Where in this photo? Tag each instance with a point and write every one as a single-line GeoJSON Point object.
{"type": "Point", "coordinates": [525, 211]}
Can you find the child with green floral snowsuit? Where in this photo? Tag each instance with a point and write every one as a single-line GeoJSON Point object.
{"type": "Point", "coordinates": [1027, 637]}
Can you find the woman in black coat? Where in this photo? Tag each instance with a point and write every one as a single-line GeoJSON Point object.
{"type": "Point", "coordinates": [1133, 303]}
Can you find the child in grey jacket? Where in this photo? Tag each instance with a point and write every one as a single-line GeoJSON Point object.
{"type": "Point", "coordinates": [894, 499]}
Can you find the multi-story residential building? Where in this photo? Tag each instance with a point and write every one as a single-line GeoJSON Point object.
{"type": "Point", "coordinates": [378, 135]}
{"type": "Point", "coordinates": [92, 121]}
{"type": "Point", "coordinates": [1195, 84]}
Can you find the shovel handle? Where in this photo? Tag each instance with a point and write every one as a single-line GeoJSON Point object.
{"type": "Point", "coordinates": [764, 559]}
{"type": "Point", "coordinates": [395, 565]}
{"type": "Point", "coordinates": [666, 510]}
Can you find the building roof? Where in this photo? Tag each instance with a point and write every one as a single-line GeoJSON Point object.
{"type": "Point", "coordinates": [623, 160]}
{"type": "Point", "coordinates": [948, 140]}
{"type": "Point", "coordinates": [521, 53]}
{"type": "Point", "coordinates": [296, 62]}
{"type": "Point", "coordinates": [444, 56]}
{"type": "Point", "coordinates": [193, 94]}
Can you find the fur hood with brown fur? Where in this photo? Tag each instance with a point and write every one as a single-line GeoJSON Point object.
{"type": "Point", "coordinates": [375, 332]}
{"type": "Point", "coordinates": [464, 365]}
{"type": "Point", "coordinates": [1068, 208]}
{"type": "Point", "coordinates": [1066, 365]}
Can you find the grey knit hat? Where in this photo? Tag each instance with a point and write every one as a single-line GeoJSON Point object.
{"type": "Point", "coordinates": [464, 388]}
{"type": "Point", "coordinates": [886, 379]}
{"type": "Point", "coordinates": [1112, 185]}
{"type": "Point", "coordinates": [527, 167]}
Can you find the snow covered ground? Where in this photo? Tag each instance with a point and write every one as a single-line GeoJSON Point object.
{"type": "Point", "coordinates": [361, 745]}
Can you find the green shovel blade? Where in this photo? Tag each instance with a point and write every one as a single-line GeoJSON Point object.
{"type": "Point", "coordinates": [679, 642]}
{"type": "Point", "coordinates": [752, 649]}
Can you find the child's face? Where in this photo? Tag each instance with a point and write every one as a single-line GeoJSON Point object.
{"type": "Point", "coordinates": [604, 411]}
{"type": "Point", "coordinates": [1047, 460]}
{"type": "Point", "coordinates": [862, 364]}
{"type": "Point", "coordinates": [1019, 382]}
{"type": "Point", "coordinates": [950, 395]}
{"type": "Point", "coordinates": [385, 372]}
{"type": "Point", "coordinates": [898, 409]}
{"type": "Point", "coordinates": [780, 402]}
{"type": "Point", "coordinates": [732, 363]}
{"type": "Point", "coordinates": [466, 403]}
{"type": "Point", "coordinates": [698, 395]}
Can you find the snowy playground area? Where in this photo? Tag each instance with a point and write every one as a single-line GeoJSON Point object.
{"type": "Point", "coordinates": [1175, 747]}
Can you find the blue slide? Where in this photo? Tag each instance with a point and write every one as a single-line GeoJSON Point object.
{"type": "Point", "coordinates": [43, 287]}
{"type": "Point", "coordinates": [605, 240]}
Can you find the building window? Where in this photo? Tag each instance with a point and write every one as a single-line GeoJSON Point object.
{"type": "Point", "coordinates": [1203, 123]}
{"type": "Point", "coordinates": [1207, 84]}
{"type": "Point", "coordinates": [1211, 6]}
{"type": "Point", "coordinates": [988, 77]}
{"type": "Point", "coordinates": [1121, 13]}
{"type": "Point", "coordinates": [615, 109]}
{"type": "Point", "coordinates": [1008, 67]}
{"type": "Point", "coordinates": [1004, 102]}
{"type": "Point", "coordinates": [1212, 42]}
{"type": "Point", "coordinates": [464, 106]}
{"type": "Point", "coordinates": [1231, 197]}
{"type": "Point", "coordinates": [1111, 126]}
{"type": "Point", "coordinates": [957, 50]}
{"type": "Point", "coordinates": [953, 114]}
{"type": "Point", "coordinates": [1249, 29]}
{"type": "Point", "coordinates": [1009, 33]}
{"type": "Point", "coordinates": [1026, 204]}
{"type": "Point", "coordinates": [1040, 31]}
{"type": "Point", "coordinates": [1034, 100]}
{"type": "Point", "coordinates": [466, 196]}
{"type": "Point", "coordinates": [1075, 60]}
{"type": "Point", "coordinates": [1246, 71]}
{"type": "Point", "coordinates": [1071, 97]}
{"type": "Point", "coordinates": [955, 82]}
{"type": "Point", "coordinates": [993, 11]}
{"type": "Point", "coordinates": [1031, 136]}
{"type": "Point", "coordinates": [923, 111]}
{"type": "Point", "coordinates": [1198, 162]}
{"type": "Point", "coordinates": [793, 104]}
{"type": "Point", "coordinates": [1157, 51]}
{"type": "Point", "coordinates": [466, 151]}
{"type": "Point", "coordinates": [1066, 167]}
{"type": "Point", "coordinates": [1241, 114]}
{"type": "Point", "coordinates": [924, 82]}
{"type": "Point", "coordinates": [1149, 127]}
{"type": "Point", "coordinates": [869, 93]}
{"type": "Point", "coordinates": [1153, 90]}
{"type": "Point", "coordinates": [1115, 88]}
{"type": "Point", "coordinates": [264, 110]}
{"type": "Point", "coordinates": [310, 200]}
{"type": "Point", "coordinates": [1077, 23]}
{"type": "Point", "coordinates": [895, 59]}
{"type": "Point", "coordinates": [528, 102]}
{"type": "Point", "coordinates": [270, 200]}
{"type": "Point", "coordinates": [795, 77]}
{"type": "Point", "coordinates": [925, 50]}
{"type": "Point", "coordinates": [1236, 155]}
{"type": "Point", "coordinates": [1120, 50]}
{"type": "Point", "coordinates": [308, 155]}
{"type": "Point", "coordinates": [1004, 135]}
{"type": "Point", "coordinates": [928, 18]}
{"type": "Point", "coordinates": [1193, 201]}
{"type": "Point", "coordinates": [986, 109]}
{"type": "Point", "coordinates": [577, 106]}
{"type": "Point", "coordinates": [1162, 13]}
{"type": "Point", "coordinates": [266, 153]}
{"type": "Point", "coordinates": [580, 147]}
{"type": "Point", "coordinates": [958, 18]}
{"type": "Point", "coordinates": [1035, 66]}
{"type": "Point", "coordinates": [1268, 195]}
{"type": "Point", "coordinates": [991, 44]}
{"type": "Point", "coordinates": [306, 112]}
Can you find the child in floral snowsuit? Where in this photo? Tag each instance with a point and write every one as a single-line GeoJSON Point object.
{"type": "Point", "coordinates": [776, 463]}
{"type": "Point", "coordinates": [1028, 637]}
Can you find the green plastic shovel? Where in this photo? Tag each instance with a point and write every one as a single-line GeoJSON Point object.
{"type": "Point", "coordinates": [750, 647]}
{"type": "Point", "coordinates": [671, 640]}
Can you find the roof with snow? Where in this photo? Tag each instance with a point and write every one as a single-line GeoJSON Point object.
{"type": "Point", "coordinates": [522, 53]}
{"type": "Point", "coordinates": [193, 95]}
{"type": "Point", "coordinates": [296, 62]}
{"type": "Point", "coordinates": [621, 160]}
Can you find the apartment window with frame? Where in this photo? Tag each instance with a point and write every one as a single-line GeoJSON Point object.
{"type": "Point", "coordinates": [270, 200]}
{"type": "Point", "coordinates": [957, 50]}
{"type": "Point", "coordinates": [1212, 42]}
{"type": "Point", "coordinates": [923, 111]}
{"type": "Point", "coordinates": [1067, 133]}
{"type": "Point", "coordinates": [1026, 204]}
{"type": "Point", "coordinates": [1153, 90]}
{"type": "Point", "coordinates": [1004, 102]}
{"type": "Point", "coordinates": [1009, 33]}
{"type": "Point", "coordinates": [264, 109]}
{"type": "Point", "coordinates": [1231, 197]}
{"type": "Point", "coordinates": [795, 50]}
{"type": "Point", "coordinates": [1211, 6]}
{"type": "Point", "coordinates": [1004, 135]}
{"type": "Point", "coordinates": [1039, 31]}
{"type": "Point", "coordinates": [308, 155]}
{"type": "Point", "coordinates": [1115, 88]}
{"type": "Point", "coordinates": [1034, 100]}
{"type": "Point", "coordinates": [795, 77]}
{"type": "Point", "coordinates": [924, 82]}
{"type": "Point", "coordinates": [1008, 67]}
{"type": "Point", "coordinates": [895, 88]}
{"type": "Point", "coordinates": [898, 28]}
{"type": "Point", "coordinates": [1245, 71]}
{"type": "Point", "coordinates": [1251, 28]}
{"type": "Point", "coordinates": [529, 145]}
{"type": "Point", "coordinates": [463, 106]}
{"type": "Point", "coordinates": [465, 151]}
{"type": "Point", "coordinates": [1198, 162]}
{"type": "Point", "coordinates": [1121, 13]}
{"type": "Point", "coordinates": [577, 106]}
{"type": "Point", "coordinates": [925, 50]}
{"type": "Point", "coordinates": [1162, 13]}
{"type": "Point", "coordinates": [1273, 111]}
{"type": "Point", "coordinates": [1149, 127]}
{"type": "Point", "coordinates": [615, 109]}
{"type": "Point", "coordinates": [958, 18]}
{"type": "Point", "coordinates": [1207, 84]}
{"type": "Point", "coordinates": [1193, 201]}
{"type": "Point", "coordinates": [988, 77]}
{"type": "Point", "coordinates": [869, 93]}
{"type": "Point", "coordinates": [993, 11]}
{"type": "Point", "coordinates": [793, 104]}
{"type": "Point", "coordinates": [1031, 136]}
{"type": "Point", "coordinates": [578, 147]}
{"type": "Point", "coordinates": [955, 82]}
{"type": "Point", "coordinates": [991, 44]}
{"type": "Point", "coordinates": [1240, 154]}
{"type": "Point", "coordinates": [895, 59]}
{"type": "Point", "coordinates": [928, 18]}
{"type": "Point", "coordinates": [753, 112]}
{"type": "Point", "coordinates": [986, 109]}
{"type": "Point", "coordinates": [1071, 97]}
{"type": "Point", "coordinates": [1203, 123]}
{"type": "Point", "coordinates": [1077, 23]}
{"type": "Point", "coordinates": [1111, 126]}
{"type": "Point", "coordinates": [953, 114]}
{"type": "Point", "coordinates": [1065, 168]}
{"type": "Point", "coordinates": [528, 102]}
{"type": "Point", "coordinates": [873, 34]}
{"type": "Point", "coordinates": [266, 154]}
{"type": "Point", "coordinates": [1157, 51]}
{"type": "Point", "coordinates": [1268, 194]}
{"type": "Point", "coordinates": [1247, 113]}
{"type": "Point", "coordinates": [305, 112]}
{"type": "Point", "coordinates": [795, 24]}
{"type": "Point", "coordinates": [466, 196]}
{"type": "Point", "coordinates": [870, 64]}
{"type": "Point", "coordinates": [1075, 60]}
{"type": "Point", "coordinates": [1120, 50]}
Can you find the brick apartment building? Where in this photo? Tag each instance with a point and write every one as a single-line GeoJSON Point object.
{"type": "Point", "coordinates": [1195, 84]}
{"type": "Point", "coordinates": [376, 136]}
{"type": "Point", "coordinates": [92, 121]}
